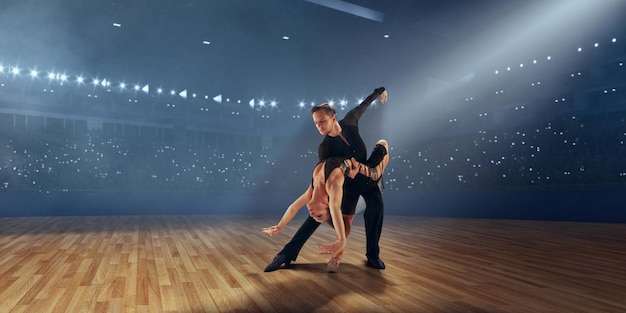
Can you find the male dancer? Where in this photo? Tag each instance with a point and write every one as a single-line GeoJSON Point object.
{"type": "Point", "coordinates": [342, 138]}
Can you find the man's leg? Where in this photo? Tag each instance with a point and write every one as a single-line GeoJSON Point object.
{"type": "Point", "coordinates": [292, 248]}
{"type": "Point", "coordinates": [374, 206]}
{"type": "Point", "coordinates": [373, 215]}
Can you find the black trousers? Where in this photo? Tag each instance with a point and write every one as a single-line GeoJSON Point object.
{"type": "Point", "coordinates": [373, 214]}
{"type": "Point", "coordinates": [293, 247]}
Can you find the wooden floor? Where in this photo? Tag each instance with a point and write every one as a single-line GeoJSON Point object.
{"type": "Point", "coordinates": [202, 263]}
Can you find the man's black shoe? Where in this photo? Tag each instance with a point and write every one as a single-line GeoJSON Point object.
{"type": "Point", "coordinates": [376, 263]}
{"type": "Point", "coordinates": [279, 260]}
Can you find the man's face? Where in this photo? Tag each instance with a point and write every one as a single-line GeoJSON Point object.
{"type": "Point", "coordinates": [323, 122]}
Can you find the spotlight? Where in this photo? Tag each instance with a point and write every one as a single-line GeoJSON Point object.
{"type": "Point", "coordinates": [34, 73]}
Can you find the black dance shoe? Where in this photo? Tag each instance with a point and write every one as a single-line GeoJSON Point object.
{"type": "Point", "coordinates": [279, 260]}
{"type": "Point", "coordinates": [375, 263]}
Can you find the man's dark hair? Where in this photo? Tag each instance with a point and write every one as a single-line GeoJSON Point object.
{"type": "Point", "coordinates": [329, 109]}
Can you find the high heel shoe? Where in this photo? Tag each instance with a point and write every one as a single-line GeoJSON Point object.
{"type": "Point", "coordinates": [333, 264]}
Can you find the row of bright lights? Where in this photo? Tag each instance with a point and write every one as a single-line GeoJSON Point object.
{"type": "Point", "coordinates": [548, 58]}
{"type": "Point", "coordinates": [62, 78]}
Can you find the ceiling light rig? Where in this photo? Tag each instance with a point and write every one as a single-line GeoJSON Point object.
{"type": "Point", "coordinates": [62, 78]}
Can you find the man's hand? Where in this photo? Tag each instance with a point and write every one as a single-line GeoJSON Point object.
{"type": "Point", "coordinates": [334, 248]}
{"type": "Point", "coordinates": [353, 167]}
{"type": "Point", "coordinates": [273, 230]}
{"type": "Point", "coordinates": [383, 97]}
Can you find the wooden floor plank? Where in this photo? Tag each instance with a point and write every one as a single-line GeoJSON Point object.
{"type": "Point", "coordinates": [205, 263]}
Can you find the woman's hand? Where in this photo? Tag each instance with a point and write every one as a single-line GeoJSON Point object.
{"type": "Point", "coordinates": [273, 230]}
{"type": "Point", "coordinates": [334, 248]}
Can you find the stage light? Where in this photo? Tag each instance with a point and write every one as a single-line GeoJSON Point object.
{"type": "Point", "coordinates": [580, 49]}
{"type": "Point", "coordinates": [614, 40]}
{"type": "Point", "coordinates": [122, 86]}
{"type": "Point", "coordinates": [549, 58]}
{"type": "Point", "coordinates": [1, 68]}
{"type": "Point", "coordinates": [136, 87]}
{"type": "Point", "coordinates": [95, 82]}
{"type": "Point", "coordinates": [206, 42]}
{"type": "Point", "coordinates": [285, 37]}
{"type": "Point", "coordinates": [63, 77]}
{"type": "Point", "coordinates": [80, 80]}
{"type": "Point", "coordinates": [386, 36]}
{"type": "Point", "coordinates": [218, 98]}
{"type": "Point", "coordinates": [262, 103]}
{"type": "Point", "coordinates": [273, 104]}
{"type": "Point", "coordinates": [301, 104]}
{"type": "Point", "coordinates": [534, 61]}
{"type": "Point", "coordinates": [15, 71]}
{"type": "Point", "coordinates": [117, 25]}
{"type": "Point", "coordinates": [251, 103]}
{"type": "Point", "coordinates": [51, 76]}
{"type": "Point", "coordinates": [508, 68]}
{"type": "Point", "coordinates": [34, 73]}
{"type": "Point", "coordinates": [521, 65]}
{"type": "Point", "coordinates": [596, 45]}
{"type": "Point", "coordinates": [159, 90]}
{"type": "Point", "coordinates": [497, 72]}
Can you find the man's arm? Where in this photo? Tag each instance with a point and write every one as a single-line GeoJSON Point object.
{"type": "Point", "coordinates": [334, 188]}
{"type": "Point", "coordinates": [291, 211]}
{"type": "Point", "coordinates": [353, 116]}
